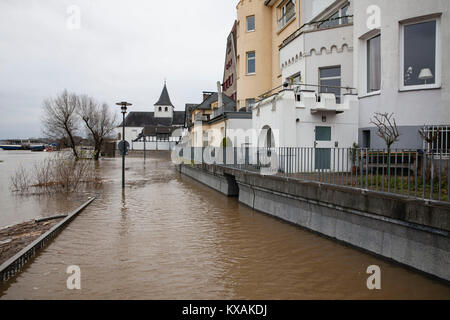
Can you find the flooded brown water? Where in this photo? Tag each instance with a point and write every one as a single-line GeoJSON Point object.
{"type": "Point", "coordinates": [169, 237]}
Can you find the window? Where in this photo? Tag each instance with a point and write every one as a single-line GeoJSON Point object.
{"type": "Point", "coordinates": [249, 103]}
{"type": "Point", "coordinates": [374, 64]}
{"type": "Point", "coordinates": [159, 109]}
{"type": "Point", "coordinates": [323, 133]}
{"type": "Point", "coordinates": [344, 14]}
{"type": "Point", "coordinates": [251, 62]}
{"type": "Point", "coordinates": [419, 55]}
{"type": "Point", "coordinates": [366, 139]}
{"type": "Point", "coordinates": [330, 81]}
{"type": "Point", "coordinates": [166, 109]}
{"type": "Point", "coordinates": [340, 17]}
{"type": "Point", "coordinates": [250, 23]}
{"type": "Point", "coordinates": [441, 143]}
{"type": "Point", "coordinates": [287, 13]}
{"type": "Point", "coordinates": [295, 78]}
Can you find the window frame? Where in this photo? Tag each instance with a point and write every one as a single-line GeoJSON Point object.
{"type": "Point", "coordinates": [249, 103]}
{"type": "Point", "coordinates": [438, 61]}
{"type": "Point", "coordinates": [254, 23]}
{"type": "Point", "coordinates": [283, 11]}
{"type": "Point", "coordinates": [247, 60]}
{"type": "Point", "coordinates": [340, 20]}
{"type": "Point", "coordinates": [366, 64]}
{"type": "Point", "coordinates": [331, 78]}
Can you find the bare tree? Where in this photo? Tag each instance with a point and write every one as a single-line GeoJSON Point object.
{"type": "Point", "coordinates": [100, 122]}
{"type": "Point", "coordinates": [430, 137]}
{"type": "Point", "coordinates": [60, 119]}
{"type": "Point", "coordinates": [386, 130]}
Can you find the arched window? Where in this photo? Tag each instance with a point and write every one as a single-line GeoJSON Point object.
{"type": "Point", "coordinates": [160, 109]}
{"type": "Point", "coordinates": [166, 109]}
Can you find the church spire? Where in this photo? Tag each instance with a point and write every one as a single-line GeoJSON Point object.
{"type": "Point", "coordinates": [164, 99]}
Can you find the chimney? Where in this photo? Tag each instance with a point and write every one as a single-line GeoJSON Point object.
{"type": "Point", "coordinates": [206, 95]}
{"type": "Point", "coordinates": [219, 94]}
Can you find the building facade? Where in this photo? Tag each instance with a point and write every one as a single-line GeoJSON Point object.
{"type": "Point", "coordinates": [317, 107]}
{"type": "Point", "coordinates": [262, 25]}
{"type": "Point", "coordinates": [402, 67]}
{"type": "Point", "coordinates": [229, 83]}
{"type": "Point", "coordinates": [216, 126]}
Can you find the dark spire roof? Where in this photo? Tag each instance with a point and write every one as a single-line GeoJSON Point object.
{"type": "Point", "coordinates": [164, 99]}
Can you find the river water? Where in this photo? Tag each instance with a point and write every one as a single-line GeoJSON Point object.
{"type": "Point", "coordinates": [169, 237]}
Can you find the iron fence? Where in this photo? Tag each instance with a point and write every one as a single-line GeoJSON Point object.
{"type": "Point", "coordinates": [413, 173]}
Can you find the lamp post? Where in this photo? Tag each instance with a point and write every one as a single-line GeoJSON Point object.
{"type": "Point", "coordinates": [123, 107]}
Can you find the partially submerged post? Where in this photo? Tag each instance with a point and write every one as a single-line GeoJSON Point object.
{"type": "Point", "coordinates": [124, 145]}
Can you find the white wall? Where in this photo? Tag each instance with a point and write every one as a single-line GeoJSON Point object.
{"type": "Point", "coordinates": [163, 113]}
{"type": "Point", "coordinates": [412, 109]}
{"type": "Point", "coordinates": [311, 8]}
{"type": "Point", "coordinates": [131, 133]}
{"type": "Point", "coordinates": [280, 113]}
{"type": "Point", "coordinates": [151, 146]}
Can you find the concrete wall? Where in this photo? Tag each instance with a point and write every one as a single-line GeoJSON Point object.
{"type": "Point", "coordinates": [221, 183]}
{"type": "Point", "coordinates": [411, 232]}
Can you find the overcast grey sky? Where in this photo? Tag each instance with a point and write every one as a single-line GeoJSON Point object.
{"type": "Point", "coordinates": [123, 50]}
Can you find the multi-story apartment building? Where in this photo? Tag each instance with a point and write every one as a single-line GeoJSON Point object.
{"type": "Point", "coordinates": [317, 106]}
{"type": "Point", "coordinates": [229, 85]}
{"type": "Point", "coordinates": [262, 25]}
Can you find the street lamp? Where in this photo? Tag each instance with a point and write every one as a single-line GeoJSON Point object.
{"type": "Point", "coordinates": [123, 147]}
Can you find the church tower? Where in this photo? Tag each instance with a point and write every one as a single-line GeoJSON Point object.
{"type": "Point", "coordinates": [164, 107]}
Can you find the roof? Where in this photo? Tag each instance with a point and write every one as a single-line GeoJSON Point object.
{"type": "Point", "coordinates": [230, 104]}
{"type": "Point", "coordinates": [142, 119]}
{"type": "Point", "coordinates": [155, 130]}
{"type": "Point", "coordinates": [164, 99]}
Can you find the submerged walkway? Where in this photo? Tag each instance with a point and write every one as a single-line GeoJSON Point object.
{"type": "Point", "coordinates": [169, 237]}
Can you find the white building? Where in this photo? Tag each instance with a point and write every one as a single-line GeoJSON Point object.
{"type": "Point", "coordinates": [401, 66]}
{"type": "Point", "coordinates": [391, 53]}
{"type": "Point", "coordinates": [319, 108]}
{"type": "Point", "coordinates": [159, 125]}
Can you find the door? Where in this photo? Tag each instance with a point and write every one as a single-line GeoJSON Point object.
{"type": "Point", "coordinates": [323, 145]}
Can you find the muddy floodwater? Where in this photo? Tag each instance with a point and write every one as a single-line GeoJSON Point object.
{"type": "Point", "coordinates": [169, 237]}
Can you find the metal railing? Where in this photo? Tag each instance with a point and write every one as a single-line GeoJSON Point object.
{"type": "Point", "coordinates": [413, 173]}
{"type": "Point", "coordinates": [299, 87]}
{"type": "Point", "coordinates": [13, 265]}
{"type": "Point", "coordinates": [343, 21]}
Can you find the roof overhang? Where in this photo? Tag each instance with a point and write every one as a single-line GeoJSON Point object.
{"type": "Point", "coordinates": [270, 3]}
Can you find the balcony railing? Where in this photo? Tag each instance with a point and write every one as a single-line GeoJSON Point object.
{"type": "Point", "coordinates": [302, 87]}
{"type": "Point", "coordinates": [217, 112]}
{"type": "Point", "coordinates": [201, 117]}
{"type": "Point", "coordinates": [343, 21]}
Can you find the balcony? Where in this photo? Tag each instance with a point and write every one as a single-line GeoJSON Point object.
{"type": "Point", "coordinates": [217, 112]}
{"type": "Point", "coordinates": [201, 117]}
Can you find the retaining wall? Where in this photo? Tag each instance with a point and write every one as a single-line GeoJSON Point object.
{"type": "Point", "coordinates": [410, 231]}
